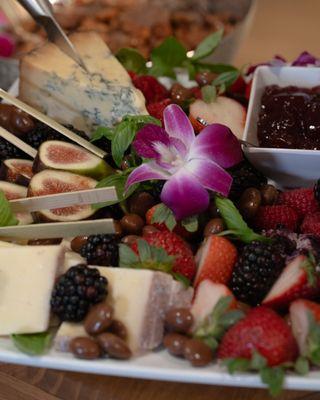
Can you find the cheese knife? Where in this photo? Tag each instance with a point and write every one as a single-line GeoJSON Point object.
{"type": "Point", "coordinates": [41, 12]}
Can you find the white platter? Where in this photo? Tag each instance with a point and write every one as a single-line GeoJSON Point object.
{"type": "Point", "coordinates": [155, 365]}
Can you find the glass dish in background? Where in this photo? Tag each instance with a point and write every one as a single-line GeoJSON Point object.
{"type": "Point", "coordinates": [142, 24]}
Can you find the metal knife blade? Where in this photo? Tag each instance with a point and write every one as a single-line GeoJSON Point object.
{"type": "Point", "coordinates": [41, 11]}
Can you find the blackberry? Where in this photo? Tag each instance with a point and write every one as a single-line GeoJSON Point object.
{"type": "Point", "coordinates": [101, 250]}
{"type": "Point", "coordinates": [257, 268]}
{"type": "Point", "coordinates": [316, 190]}
{"type": "Point", "coordinates": [8, 150]}
{"type": "Point", "coordinates": [245, 176]}
{"type": "Point", "coordinates": [42, 133]}
{"type": "Point", "coordinates": [76, 291]}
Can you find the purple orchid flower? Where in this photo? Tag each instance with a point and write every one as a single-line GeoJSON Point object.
{"type": "Point", "coordinates": [191, 165]}
{"type": "Point", "coordinates": [304, 59]}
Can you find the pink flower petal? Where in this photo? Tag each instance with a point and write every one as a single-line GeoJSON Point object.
{"type": "Point", "coordinates": [146, 172]}
{"type": "Point", "coordinates": [178, 125]}
{"type": "Point", "coordinates": [217, 143]}
{"type": "Point", "coordinates": [147, 137]}
{"type": "Point", "coordinates": [210, 175]}
{"type": "Point", "coordinates": [184, 195]}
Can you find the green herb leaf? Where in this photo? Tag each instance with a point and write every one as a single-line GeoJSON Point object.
{"type": "Point", "coordinates": [163, 214]}
{"type": "Point", "coordinates": [273, 378]}
{"type": "Point", "coordinates": [226, 78]}
{"type": "Point", "coordinates": [132, 60]}
{"type": "Point", "coordinates": [144, 250]}
{"type": "Point", "coordinates": [235, 223]}
{"type": "Point", "coordinates": [127, 257]}
{"type": "Point", "coordinates": [209, 93]}
{"type": "Point", "coordinates": [257, 361]}
{"type": "Point", "coordinates": [191, 224]}
{"type": "Point", "coordinates": [181, 278]}
{"type": "Point", "coordinates": [215, 68]}
{"type": "Point", "coordinates": [207, 46]}
{"type": "Point", "coordinates": [7, 217]}
{"type": "Point", "coordinates": [33, 344]}
{"type": "Point", "coordinates": [301, 365]}
{"type": "Point", "coordinates": [169, 55]}
{"type": "Point", "coordinates": [236, 364]}
{"type": "Point", "coordinates": [102, 132]}
{"type": "Point", "coordinates": [141, 120]}
{"type": "Point", "coordinates": [313, 340]}
{"type": "Point", "coordinates": [117, 180]}
{"type": "Point", "coordinates": [230, 318]}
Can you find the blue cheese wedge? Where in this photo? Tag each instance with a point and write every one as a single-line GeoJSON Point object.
{"type": "Point", "coordinates": [140, 299]}
{"type": "Point", "coordinates": [55, 84]}
{"type": "Point", "coordinates": [27, 276]}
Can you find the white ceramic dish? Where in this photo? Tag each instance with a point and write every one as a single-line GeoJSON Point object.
{"type": "Point", "coordinates": [288, 167]}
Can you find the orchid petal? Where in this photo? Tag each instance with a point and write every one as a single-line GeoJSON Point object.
{"type": "Point", "coordinates": [305, 58]}
{"type": "Point", "coordinates": [184, 195]}
{"type": "Point", "coordinates": [179, 146]}
{"type": "Point", "coordinates": [210, 175]}
{"type": "Point", "coordinates": [178, 125]}
{"type": "Point", "coordinates": [217, 143]}
{"type": "Point", "coordinates": [147, 137]}
{"type": "Point", "coordinates": [146, 172]}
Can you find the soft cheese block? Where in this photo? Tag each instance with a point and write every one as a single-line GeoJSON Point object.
{"type": "Point", "coordinates": [140, 299]}
{"type": "Point", "coordinates": [27, 275]}
{"type": "Point", "coordinates": [56, 85]}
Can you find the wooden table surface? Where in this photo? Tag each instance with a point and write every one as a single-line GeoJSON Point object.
{"type": "Point", "coordinates": [280, 26]}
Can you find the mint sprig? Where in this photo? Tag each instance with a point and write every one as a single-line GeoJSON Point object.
{"type": "Point", "coordinates": [33, 344]}
{"type": "Point", "coordinates": [132, 60]}
{"type": "Point", "coordinates": [7, 217]}
{"type": "Point", "coordinates": [236, 225]}
{"type": "Point", "coordinates": [207, 46]}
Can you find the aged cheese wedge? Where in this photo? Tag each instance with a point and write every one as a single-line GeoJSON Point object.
{"type": "Point", "coordinates": [27, 275]}
{"type": "Point", "coordinates": [56, 85]}
{"type": "Point", "coordinates": [140, 299]}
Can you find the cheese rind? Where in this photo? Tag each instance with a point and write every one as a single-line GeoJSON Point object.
{"type": "Point", "coordinates": [27, 275]}
{"type": "Point", "coordinates": [56, 85]}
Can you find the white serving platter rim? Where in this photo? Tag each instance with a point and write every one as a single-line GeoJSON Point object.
{"type": "Point", "coordinates": [157, 365]}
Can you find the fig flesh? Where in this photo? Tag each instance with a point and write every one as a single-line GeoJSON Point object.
{"type": "Point", "coordinates": [16, 170]}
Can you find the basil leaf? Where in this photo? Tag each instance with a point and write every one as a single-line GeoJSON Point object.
{"type": "Point", "coordinates": [102, 132]}
{"type": "Point", "coordinates": [169, 55]}
{"type": "Point", "coordinates": [141, 120]}
{"type": "Point", "coordinates": [123, 137]}
{"type": "Point", "coordinates": [216, 68]}
{"type": "Point", "coordinates": [7, 217]}
{"type": "Point", "coordinates": [208, 45]}
{"type": "Point", "coordinates": [209, 93]}
{"type": "Point", "coordinates": [235, 223]}
{"type": "Point", "coordinates": [119, 182]}
{"type": "Point", "coordinates": [226, 78]}
{"type": "Point", "coordinates": [132, 60]}
{"type": "Point", "coordinates": [33, 344]}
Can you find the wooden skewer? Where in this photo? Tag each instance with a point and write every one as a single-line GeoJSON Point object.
{"type": "Point", "coordinates": [52, 123]}
{"type": "Point", "coordinates": [59, 200]}
{"type": "Point", "coordinates": [58, 229]}
{"type": "Point", "coordinates": [18, 142]}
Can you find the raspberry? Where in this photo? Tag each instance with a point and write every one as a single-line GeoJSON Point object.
{"type": "Point", "coordinates": [272, 217]}
{"type": "Point", "coordinates": [302, 200]}
{"type": "Point", "coordinates": [311, 224]}
{"type": "Point", "coordinates": [156, 109]}
{"type": "Point", "coordinates": [152, 90]}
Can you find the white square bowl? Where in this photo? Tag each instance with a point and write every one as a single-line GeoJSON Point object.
{"type": "Point", "coordinates": [287, 167]}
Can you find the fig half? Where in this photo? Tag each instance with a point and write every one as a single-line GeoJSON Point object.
{"type": "Point", "coordinates": [16, 170]}
{"type": "Point", "coordinates": [51, 181]}
{"type": "Point", "coordinates": [54, 154]}
{"type": "Point", "coordinates": [13, 191]}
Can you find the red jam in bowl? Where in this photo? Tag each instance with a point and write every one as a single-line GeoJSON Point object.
{"type": "Point", "coordinates": [290, 118]}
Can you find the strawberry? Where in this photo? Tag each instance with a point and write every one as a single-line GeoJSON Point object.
{"type": "Point", "coordinates": [264, 331]}
{"type": "Point", "coordinates": [239, 86]}
{"type": "Point", "coordinates": [311, 224]}
{"type": "Point", "coordinates": [206, 297]}
{"type": "Point", "coordinates": [156, 109]}
{"type": "Point", "coordinates": [223, 111]}
{"type": "Point", "coordinates": [215, 260]}
{"type": "Point", "coordinates": [151, 88]}
{"type": "Point", "coordinates": [247, 91]}
{"type": "Point", "coordinates": [297, 280]}
{"type": "Point", "coordinates": [174, 245]}
{"type": "Point", "coordinates": [197, 126]}
{"type": "Point", "coordinates": [271, 217]}
{"type": "Point", "coordinates": [300, 320]}
{"type": "Point", "coordinates": [132, 75]}
{"type": "Point", "coordinates": [302, 200]}
{"type": "Point", "coordinates": [196, 92]}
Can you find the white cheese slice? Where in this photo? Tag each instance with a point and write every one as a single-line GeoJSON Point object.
{"type": "Point", "coordinates": [140, 299]}
{"type": "Point", "coordinates": [56, 85]}
{"type": "Point", "coordinates": [27, 275]}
